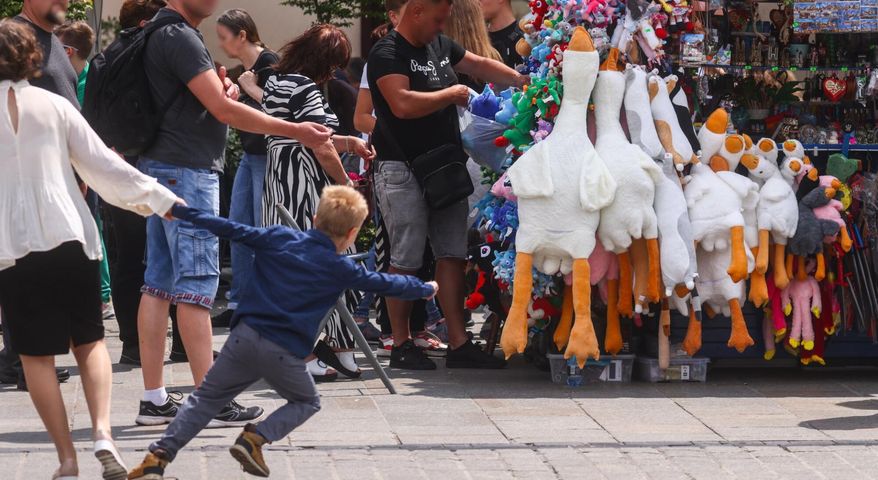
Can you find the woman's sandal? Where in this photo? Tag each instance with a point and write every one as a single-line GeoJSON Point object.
{"type": "Point", "coordinates": [320, 371]}
{"type": "Point", "coordinates": [326, 355]}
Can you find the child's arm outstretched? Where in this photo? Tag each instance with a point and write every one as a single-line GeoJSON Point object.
{"type": "Point", "coordinates": [224, 228]}
{"type": "Point", "coordinates": [405, 287]}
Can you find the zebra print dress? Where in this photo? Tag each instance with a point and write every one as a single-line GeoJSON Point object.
{"type": "Point", "coordinates": [293, 176]}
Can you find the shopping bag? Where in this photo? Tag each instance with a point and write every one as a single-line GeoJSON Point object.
{"type": "Point", "coordinates": [478, 135]}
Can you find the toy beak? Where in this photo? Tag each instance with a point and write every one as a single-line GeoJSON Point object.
{"type": "Point", "coordinates": [836, 184]}
{"type": "Point", "coordinates": [581, 41]}
{"type": "Point", "coordinates": [813, 174]}
{"type": "Point", "coordinates": [795, 166]}
{"type": "Point", "coordinates": [750, 161]}
{"type": "Point", "coordinates": [789, 145]}
{"type": "Point", "coordinates": [718, 121]}
{"type": "Point", "coordinates": [830, 193]}
{"type": "Point", "coordinates": [748, 142]}
{"type": "Point", "coordinates": [612, 63]}
{"type": "Point", "coordinates": [734, 144]}
{"type": "Point", "coordinates": [766, 146]}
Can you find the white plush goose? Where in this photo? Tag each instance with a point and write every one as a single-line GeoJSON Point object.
{"type": "Point", "coordinates": [561, 184]}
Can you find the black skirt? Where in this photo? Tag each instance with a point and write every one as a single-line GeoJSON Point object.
{"type": "Point", "coordinates": [50, 300]}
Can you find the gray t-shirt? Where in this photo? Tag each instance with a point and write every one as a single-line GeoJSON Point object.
{"type": "Point", "coordinates": [189, 135]}
{"type": "Point", "coordinates": [57, 74]}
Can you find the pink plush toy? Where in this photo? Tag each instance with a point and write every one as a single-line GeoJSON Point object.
{"type": "Point", "coordinates": [832, 211]}
{"type": "Point", "coordinates": [503, 189]}
{"type": "Point", "coordinates": [802, 298]}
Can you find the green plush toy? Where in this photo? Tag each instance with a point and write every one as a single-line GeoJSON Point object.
{"type": "Point", "coordinates": [539, 100]}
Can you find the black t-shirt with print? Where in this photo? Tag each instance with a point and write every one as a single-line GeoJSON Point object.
{"type": "Point", "coordinates": [252, 143]}
{"type": "Point", "coordinates": [504, 41]}
{"type": "Point", "coordinates": [428, 68]}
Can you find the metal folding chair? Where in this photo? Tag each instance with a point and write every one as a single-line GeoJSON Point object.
{"type": "Point", "coordinates": [344, 313]}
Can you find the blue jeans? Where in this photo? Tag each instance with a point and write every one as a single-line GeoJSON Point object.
{"type": "Point", "coordinates": [368, 297]}
{"type": "Point", "coordinates": [246, 208]}
{"type": "Point", "coordinates": [182, 261]}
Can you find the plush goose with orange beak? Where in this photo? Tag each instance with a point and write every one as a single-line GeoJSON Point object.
{"type": "Point", "coordinates": [630, 218]}
{"type": "Point", "coordinates": [561, 184]}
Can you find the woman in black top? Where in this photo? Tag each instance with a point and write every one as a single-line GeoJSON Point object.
{"type": "Point", "coordinates": [239, 39]}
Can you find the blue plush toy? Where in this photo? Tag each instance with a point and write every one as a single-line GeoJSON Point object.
{"type": "Point", "coordinates": [507, 107]}
{"type": "Point", "coordinates": [486, 104]}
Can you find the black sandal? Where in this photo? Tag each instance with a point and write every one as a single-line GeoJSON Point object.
{"type": "Point", "coordinates": [326, 355]}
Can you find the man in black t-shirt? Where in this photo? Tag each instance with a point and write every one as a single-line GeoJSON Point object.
{"type": "Point", "coordinates": [503, 29]}
{"type": "Point", "coordinates": [415, 91]}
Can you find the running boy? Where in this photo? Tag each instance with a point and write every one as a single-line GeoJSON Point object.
{"type": "Point", "coordinates": [296, 278]}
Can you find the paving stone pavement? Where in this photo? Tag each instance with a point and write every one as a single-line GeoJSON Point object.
{"type": "Point", "coordinates": [510, 424]}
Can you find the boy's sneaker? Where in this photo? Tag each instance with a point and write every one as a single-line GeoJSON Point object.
{"type": "Point", "coordinates": [469, 355]}
{"type": "Point", "coordinates": [431, 344]}
{"type": "Point", "coordinates": [385, 346]}
{"type": "Point", "coordinates": [151, 468]}
{"type": "Point", "coordinates": [247, 450]}
{"type": "Point", "coordinates": [371, 333]}
{"type": "Point", "coordinates": [409, 356]}
{"type": "Point", "coordinates": [152, 414]}
{"type": "Point", "coordinates": [235, 415]}
{"type": "Point", "coordinates": [440, 329]}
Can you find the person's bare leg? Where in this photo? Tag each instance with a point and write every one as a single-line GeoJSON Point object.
{"type": "Point", "coordinates": [449, 275]}
{"type": "Point", "coordinates": [97, 382]}
{"type": "Point", "coordinates": [45, 393]}
{"type": "Point", "coordinates": [152, 328]}
{"type": "Point", "coordinates": [400, 311]}
{"type": "Point", "coordinates": [195, 330]}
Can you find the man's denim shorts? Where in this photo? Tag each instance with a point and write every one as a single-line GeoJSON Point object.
{"type": "Point", "coordinates": [182, 261]}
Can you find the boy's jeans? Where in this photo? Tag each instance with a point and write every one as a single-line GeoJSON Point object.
{"type": "Point", "coordinates": [246, 208]}
{"type": "Point", "coordinates": [245, 358]}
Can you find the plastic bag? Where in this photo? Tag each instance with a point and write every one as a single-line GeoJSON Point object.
{"type": "Point", "coordinates": [478, 135]}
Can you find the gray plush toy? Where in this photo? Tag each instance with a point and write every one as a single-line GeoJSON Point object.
{"type": "Point", "coordinates": [808, 240]}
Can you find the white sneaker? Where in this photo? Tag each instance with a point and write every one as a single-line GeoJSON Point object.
{"type": "Point", "coordinates": [385, 346]}
{"type": "Point", "coordinates": [431, 344]}
{"type": "Point", "coordinates": [111, 462]}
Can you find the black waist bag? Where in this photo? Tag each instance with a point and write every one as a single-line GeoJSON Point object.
{"type": "Point", "coordinates": [443, 176]}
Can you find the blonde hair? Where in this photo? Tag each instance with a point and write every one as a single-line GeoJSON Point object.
{"type": "Point", "coordinates": [341, 209]}
{"type": "Point", "coordinates": [466, 26]}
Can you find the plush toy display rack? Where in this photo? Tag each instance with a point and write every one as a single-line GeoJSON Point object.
{"type": "Point", "coordinates": [626, 200]}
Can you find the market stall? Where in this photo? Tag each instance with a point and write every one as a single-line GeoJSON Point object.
{"type": "Point", "coordinates": [682, 182]}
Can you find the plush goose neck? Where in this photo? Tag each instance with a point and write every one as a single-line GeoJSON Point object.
{"type": "Point", "coordinates": [579, 72]}
{"type": "Point", "coordinates": [609, 92]}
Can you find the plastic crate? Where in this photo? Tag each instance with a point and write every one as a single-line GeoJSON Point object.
{"type": "Point", "coordinates": [682, 369]}
{"type": "Point", "coordinates": [608, 369]}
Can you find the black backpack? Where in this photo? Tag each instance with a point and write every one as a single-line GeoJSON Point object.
{"type": "Point", "coordinates": [118, 102]}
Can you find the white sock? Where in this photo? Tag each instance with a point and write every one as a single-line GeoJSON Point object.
{"type": "Point", "coordinates": [158, 396]}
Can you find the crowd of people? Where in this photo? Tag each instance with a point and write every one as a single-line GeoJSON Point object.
{"type": "Point", "coordinates": [306, 132]}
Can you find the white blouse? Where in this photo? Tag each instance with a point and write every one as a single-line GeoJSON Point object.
{"type": "Point", "coordinates": [41, 205]}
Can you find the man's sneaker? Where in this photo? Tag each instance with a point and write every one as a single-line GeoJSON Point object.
{"type": "Point", "coordinates": [431, 344]}
{"type": "Point", "coordinates": [151, 468]}
{"type": "Point", "coordinates": [409, 356]}
{"type": "Point", "coordinates": [385, 346]}
{"type": "Point", "coordinates": [130, 355]}
{"type": "Point", "coordinates": [152, 414]}
{"type": "Point", "coordinates": [247, 450]}
{"type": "Point", "coordinates": [108, 312]}
{"type": "Point", "coordinates": [235, 415]}
{"type": "Point", "coordinates": [371, 333]}
{"type": "Point", "coordinates": [469, 355]}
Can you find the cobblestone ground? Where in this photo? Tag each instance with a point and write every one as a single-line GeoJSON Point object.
{"type": "Point", "coordinates": [509, 424]}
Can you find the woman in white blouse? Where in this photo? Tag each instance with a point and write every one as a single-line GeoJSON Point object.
{"type": "Point", "coordinates": [49, 244]}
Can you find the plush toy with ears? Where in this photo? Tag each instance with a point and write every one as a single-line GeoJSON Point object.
{"type": "Point", "coordinates": [777, 215]}
{"type": "Point", "coordinates": [631, 215]}
{"type": "Point", "coordinates": [561, 184]}
{"type": "Point", "coordinates": [802, 298]}
{"type": "Point", "coordinates": [810, 231]}
{"type": "Point", "coordinates": [715, 207]}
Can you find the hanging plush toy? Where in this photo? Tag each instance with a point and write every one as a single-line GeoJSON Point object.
{"type": "Point", "coordinates": [802, 298]}
{"type": "Point", "coordinates": [630, 217]}
{"type": "Point", "coordinates": [681, 107]}
{"type": "Point", "coordinates": [561, 184]}
{"type": "Point", "coordinates": [723, 295]}
{"type": "Point", "coordinates": [667, 124]}
{"type": "Point", "coordinates": [810, 231]}
{"type": "Point", "coordinates": [777, 216]}
{"type": "Point", "coordinates": [638, 115]}
{"type": "Point", "coordinates": [715, 207]}
{"type": "Point", "coordinates": [832, 211]}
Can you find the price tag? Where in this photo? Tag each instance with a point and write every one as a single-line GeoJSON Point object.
{"type": "Point", "coordinates": [748, 67]}
{"type": "Point", "coordinates": [813, 69]}
{"type": "Point", "coordinates": [793, 69]}
{"type": "Point", "coordinates": [774, 69]}
{"type": "Point", "coordinates": [844, 69]}
{"type": "Point", "coordinates": [684, 372]}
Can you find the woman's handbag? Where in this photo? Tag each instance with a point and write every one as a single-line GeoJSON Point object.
{"type": "Point", "coordinates": [443, 175]}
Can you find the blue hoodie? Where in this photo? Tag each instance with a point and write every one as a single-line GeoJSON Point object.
{"type": "Point", "coordinates": [297, 277]}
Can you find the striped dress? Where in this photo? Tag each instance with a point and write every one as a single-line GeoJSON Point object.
{"type": "Point", "coordinates": [293, 176]}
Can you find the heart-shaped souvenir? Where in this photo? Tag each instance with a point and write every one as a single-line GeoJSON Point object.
{"type": "Point", "coordinates": [834, 88]}
{"type": "Point", "coordinates": [841, 167]}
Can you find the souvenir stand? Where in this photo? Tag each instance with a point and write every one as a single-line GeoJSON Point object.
{"type": "Point", "coordinates": [699, 167]}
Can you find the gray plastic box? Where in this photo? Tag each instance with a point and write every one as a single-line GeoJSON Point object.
{"type": "Point", "coordinates": [607, 369]}
{"type": "Point", "coordinates": [681, 369]}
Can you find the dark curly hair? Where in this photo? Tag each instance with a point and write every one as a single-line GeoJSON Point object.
{"type": "Point", "coordinates": [20, 57]}
{"type": "Point", "coordinates": [316, 54]}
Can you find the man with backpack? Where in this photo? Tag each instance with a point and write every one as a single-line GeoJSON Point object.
{"type": "Point", "coordinates": [178, 127]}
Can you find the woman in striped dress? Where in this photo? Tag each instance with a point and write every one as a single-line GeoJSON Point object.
{"type": "Point", "coordinates": [295, 175]}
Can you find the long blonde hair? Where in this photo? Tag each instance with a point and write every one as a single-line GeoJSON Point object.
{"type": "Point", "coordinates": [466, 26]}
